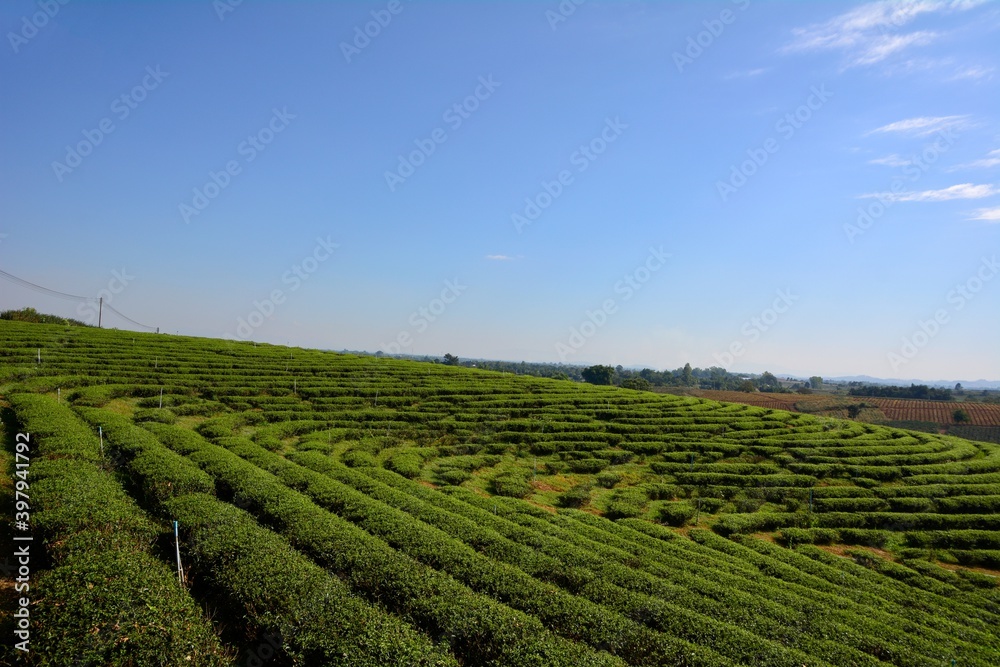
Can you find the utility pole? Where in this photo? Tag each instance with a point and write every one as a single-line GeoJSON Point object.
{"type": "Point", "coordinates": [100, 311]}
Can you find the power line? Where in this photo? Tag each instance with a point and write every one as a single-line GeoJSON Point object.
{"type": "Point", "coordinates": [124, 317]}
{"type": "Point", "coordinates": [44, 290]}
{"type": "Point", "coordinates": [63, 295]}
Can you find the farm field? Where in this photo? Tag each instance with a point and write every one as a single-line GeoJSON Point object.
{"type": "Point", "coordinates": [983, 424]}
{"type": "Point", "coordinates": [336, 509]}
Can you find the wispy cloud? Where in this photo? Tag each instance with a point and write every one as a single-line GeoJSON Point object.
{"type": "Point", "coordinates": [747, 74]}
{"type": "Point", "coordinates": [975, 73]}
{"type": "Point", "coordinates": [992, 159]}
{"type": "Point", "coordinates": [892, 161]}
{"type": "Point", "coordinates": [961, 191]}
{"type": "Point", "coordinates": [501, 258]}
{"type": "Point", "coordinates": [988, 214]}
{"type": "Point", "coordinates": [924, 125]}
{"type": "Point", "coordinates": [871, 33]}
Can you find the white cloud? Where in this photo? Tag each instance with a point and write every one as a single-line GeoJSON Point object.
{"type": "Point", "coordinates": [747, 74]}
{"type": "Point", "coordinates": [871, 33]}
{"type": "Point", "coordinates": [892, 161]}
{"type": "Point", "coordinates": [987, 214]}
{"type": "Point", "coordinates": [883, 46]}
{"type": "Point", "coordinates": [992, 159]}
{"type": "Point", "coordinates": [924, 125]}
{"type": "Point", "coordinates": [975, 72]}
{"type": "Point", "coordinates": [961, 191]}
{"type": "Point", "coordinates": [501, 258]}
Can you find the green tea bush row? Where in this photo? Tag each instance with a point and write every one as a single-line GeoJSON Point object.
{"type": "Point", "coordinates": [107, 601]}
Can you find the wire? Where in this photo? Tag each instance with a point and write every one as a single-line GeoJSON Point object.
{"type": "Point", "coordinates": [73, 297]}
{"type": "Point", "coordinates": [124, 317]}
{"type": "Point", "coordinates": [46, 290]}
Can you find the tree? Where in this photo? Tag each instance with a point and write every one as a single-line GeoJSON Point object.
{"type": "Point", "coordinates": [450, 360]}
{"type": "Point", "coordinates": [961, 416]}
{"type": "Point", "coordinates": [598, 374]}
{"type": "Point", "coordinates": [639, 384]}
{"type": "Point", "coordinates": [747, 386]}
{"type": "Point", "coordinates": [958, 389]}
{"type": "Point", "coordinates": [687, 379]}
{"type": "Point", "coordinates": [767, 380]}
{"type": "Point", "coordinates": [816, 382]}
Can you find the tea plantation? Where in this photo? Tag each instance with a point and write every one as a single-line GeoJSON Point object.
{"type": "Point", "coordinates": [349, 510]}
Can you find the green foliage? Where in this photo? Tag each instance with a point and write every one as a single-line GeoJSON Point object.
{"type": "Point", "coordinates": [107, 600]}
{"type": "Point", "coordinates": [576, 496]}
{"type": "Point", "coordinates": [114, 607]}
{"type": "Point", "coordinates": [625, 503]}
{"type": "Point", "coordinates": [676, 513]}
{"type": "Point", "coordinates": [461, 574]}
{"type": "Point", "coordinates": [608, 479]}
{"type": "Point", "coordinates": [602, 375]}
{"type": "Point", "coordinates": [636, 383]}
{"type": "Point", "coordinates": [510, 484]}
{"type": "Point", "coordinates": [406, 463]}
{"type": "Point", "coordinates": [33, 316]}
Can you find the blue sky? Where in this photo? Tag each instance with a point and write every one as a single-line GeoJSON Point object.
{"type": "Point", "coordinates": [795, 187]}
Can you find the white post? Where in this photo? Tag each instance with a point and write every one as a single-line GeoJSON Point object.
{"type": "Point", "coordinates": [177, 542]}
{"type": "Point", "coordinates": [39, 355]}
{"type": "Point", "coordinates": [161, 398]}
{"type": "Point", "coordinates": [100, 430]}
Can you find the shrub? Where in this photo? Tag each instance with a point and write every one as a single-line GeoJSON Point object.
{"type": "Point", "coordinates": [161, 415]}
{"type": "Point", "coordinates": [406, 463]}
{"type": "Point", "coordinates": [608, 479]}
{"type": "Point", "coordinates": [453, 476]}
{"type": "Point", "coordinates": [676, 513]}
{"type": "Point", "coordinates": [577, 496]}
{"type": "Point", "coordinates": [118, 607]}
{"type": "Point", "coordinates": [626, 503]}
{"type": "Point", "coordinates": [587, 466]}
{"type": "Point", "coordinates": [511, 484]}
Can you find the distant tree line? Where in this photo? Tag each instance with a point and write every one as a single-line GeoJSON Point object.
{"type": "Point", "coordinates": [921, 391]}
{"type": "Point", "coordinates": [32, 315]}
{"type": "Point", "coordinates": [645, 379]}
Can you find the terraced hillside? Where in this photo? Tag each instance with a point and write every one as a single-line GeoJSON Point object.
{"type": "Point", "coordinates": [345, 510]}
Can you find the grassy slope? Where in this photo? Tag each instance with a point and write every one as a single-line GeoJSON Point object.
{"type": "Point", "coordinates": [654, 452]}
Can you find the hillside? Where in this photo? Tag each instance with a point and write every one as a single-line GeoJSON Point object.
{"type": "Point", "coordinates": [346, 510]}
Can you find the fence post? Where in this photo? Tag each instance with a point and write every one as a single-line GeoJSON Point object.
{"type": "Point", "coordinates": [177, 543]}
